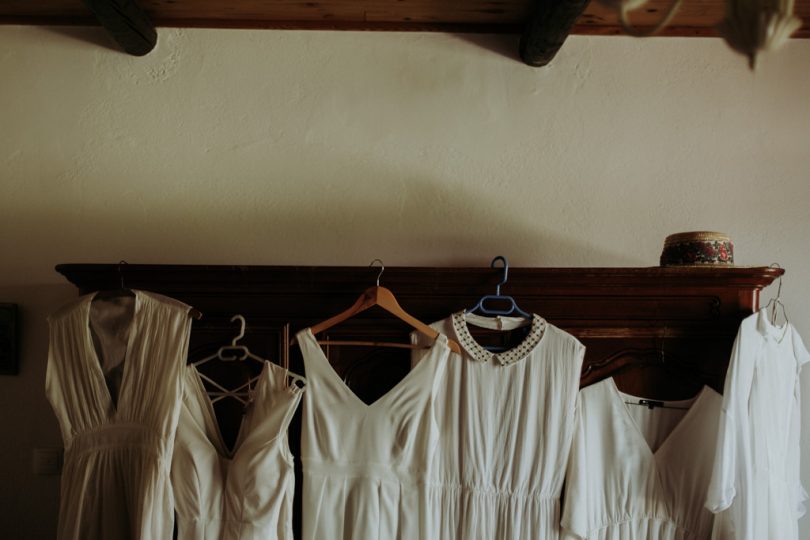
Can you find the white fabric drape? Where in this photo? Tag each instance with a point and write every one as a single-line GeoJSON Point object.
{"type": "Point", "coordinates": [115, 480]}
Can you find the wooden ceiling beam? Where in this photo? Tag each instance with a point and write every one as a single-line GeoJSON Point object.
{"type": "Point", "coordinates": [126, 23]}
{"type": "Point", "coordinates": [694, 18]}
{"type": "Point", "coordinates": [549, 24]}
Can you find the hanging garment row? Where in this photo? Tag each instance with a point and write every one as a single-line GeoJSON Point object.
{"type": "Point", "coordinates": [472, 443]}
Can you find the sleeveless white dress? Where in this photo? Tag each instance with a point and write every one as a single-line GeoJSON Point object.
{"type": "Point", "coordinates": [756, 476]}
{"type": "Point", "coordinates": [115, 480]}
{"type": "Point", "coordinates": [637, 473]}
{"type": "Point", "coordinates": [507, 420]}
{"type": "Point", "coordinates": [365, 465]}
{"type": "Point", "coordinates": [246, 493]}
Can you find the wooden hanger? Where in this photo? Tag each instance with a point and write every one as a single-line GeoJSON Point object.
{"type": "Point", "coordinates": [384, 298]}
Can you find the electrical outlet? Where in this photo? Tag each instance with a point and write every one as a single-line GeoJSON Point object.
{"type": "Point", "coordinates": [47, 461]}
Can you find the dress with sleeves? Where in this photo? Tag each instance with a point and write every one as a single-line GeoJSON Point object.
{"type": "Point", "coordinates": [756, 478]}
{"type": "Point", "coordinates": [638, 473]}
{"type": "Point", "coordinates": [507, 421]}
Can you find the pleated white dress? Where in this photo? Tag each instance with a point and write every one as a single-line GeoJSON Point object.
{"type": "Point", "coordinates": [756, 474]}
{"type": "Point", "coordinates": [365, 465]}
{"type": "Point", "coordinates": [246, 493]}
{"type": "Point", "coordinates": [507, 420]}
{"type": "Point", "coordinates": [115, 481]}
{"type": "Point", "coordinates": [638, 473]}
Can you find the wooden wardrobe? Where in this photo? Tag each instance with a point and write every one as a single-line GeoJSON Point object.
{"type": "Point", "coordinates": [661, 332]}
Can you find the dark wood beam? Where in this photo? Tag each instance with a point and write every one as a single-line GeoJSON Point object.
{"type": "Point", "coordinates": [549, 24]}
{"type": "Point", "coordinates": [126, 22]}
{"type": "Point", "coordinates": [694, 18]}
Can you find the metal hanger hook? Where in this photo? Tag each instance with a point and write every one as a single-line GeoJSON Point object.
{"type": "Point", "coordinates": [382, 269]}
{"type": "Point", "coordinates": [505, 272]}
{"type": "Point", "coordinates": [121, 273]}
{"type": "Point", "coordinates": [241, 329]}
{"type": "Point", "coordinates": [779, 286]}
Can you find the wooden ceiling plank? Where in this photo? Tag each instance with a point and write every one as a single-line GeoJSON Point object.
{"type": "Point", "coordinates": [472, 11]}
{"type": "Point", "coordinates": [258, 10]}
{"type": "Point", "coordinates": [548, 26]}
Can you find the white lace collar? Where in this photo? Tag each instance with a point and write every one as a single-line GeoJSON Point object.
{"type": "Point", "coordinates": [480, 354]}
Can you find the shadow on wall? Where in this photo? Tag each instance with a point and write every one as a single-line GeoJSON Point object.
{"type": "Point", "coordinates": [404, 221]}
{"type": "Point", "coordinates": [329, 206]}
{"type": "Point", "coordinates": [502, 44]}
{"type": "Point", "coordinates": [93, 35]}
{"type": "Point", "coordinates": [29, 503]}
{"type": "Point", "coordinates": [506, 45]}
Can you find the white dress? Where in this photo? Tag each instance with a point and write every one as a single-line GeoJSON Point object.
{"type": "Point", "coordinates": [637, 473]}
{"type": "Point", "coordinates": [756, 473]}
{"type": "Point", "coordinates": [245, 494]}
{"type": "Point", "coordinates": [507, 420]}
{"type": "Point", "coordinates": [115, 480]}
{"type": "Point", "coordinates": [365, 465]}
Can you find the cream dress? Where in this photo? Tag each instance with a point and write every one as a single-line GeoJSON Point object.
{"type": "Point", "coordinates": [115, 480]}
{"type": "Point", "coordinates": [365, 466]}
{"type": "Point", "coordinates": [507, 420]}
{"type": "Point", "coordinates": [638, 473]}
{"type": "Point", "coordinates": [756, 474]}
{"type": "Point", "coordinates": [246, 493]}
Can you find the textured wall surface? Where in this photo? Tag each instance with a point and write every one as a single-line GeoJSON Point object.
{"type": "Point", "coordinates": [271, 147]}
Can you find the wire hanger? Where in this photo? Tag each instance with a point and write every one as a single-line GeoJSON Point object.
{"type": "Point", "coordinates": [776, 302]}
{"type": "Point", "coordinates": [513, 307]}
{"type": "Point", "coordinates": [232, 353]}
{"type": "Point", "coordinates": [384, 298]}
{"type": "Point", "coordinates": [121, 292]}
{"type": "Point", "coordinates": [124, 292]}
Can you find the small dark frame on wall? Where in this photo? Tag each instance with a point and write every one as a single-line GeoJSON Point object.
{"type": "Point", "coordinates": [9, 364]}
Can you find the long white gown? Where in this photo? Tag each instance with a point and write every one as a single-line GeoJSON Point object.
{"type": "Point", "coordinates": [246, 493]}
{"type": "Point", "coordinates": [365, 465]}
{"type": "Point", "coordinates": [507, 420]}
{"type": "Point", "coordinates": [115, 480]}
{"type": "Point", "coordinates": [637, 473]}
{"type": "Point", "coordinates": [756, 474]}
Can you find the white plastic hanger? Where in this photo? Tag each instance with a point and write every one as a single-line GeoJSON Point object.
{"type": "Point", "coordinates": [230, 353]}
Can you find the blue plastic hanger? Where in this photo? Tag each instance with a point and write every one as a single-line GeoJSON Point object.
{"type": "Point", "coordinates": [513, 308]}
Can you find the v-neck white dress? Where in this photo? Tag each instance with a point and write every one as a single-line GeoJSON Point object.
{"type": "Point", "coordinates": [245, 494]}
{"type": "Point", "coordinates": [115, 480]}
{"type": "Point", "coordinates": [365, 466]}
{"type": "Point", "coordinates": [756, 474]}
{"type": "Point", "coordinates": [507, 420]}
{"type": "Point", "coordinates": [637, 473]}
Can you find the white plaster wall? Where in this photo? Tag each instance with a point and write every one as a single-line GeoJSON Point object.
{"type": "Point", "coordinates": [270, 147]}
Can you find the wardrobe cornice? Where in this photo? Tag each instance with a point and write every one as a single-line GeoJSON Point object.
{"type": "Point", "coordinates": [629, 318]}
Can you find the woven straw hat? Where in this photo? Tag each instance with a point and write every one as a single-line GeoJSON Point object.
{"type": "Point", "coordinates": [698, 248]}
